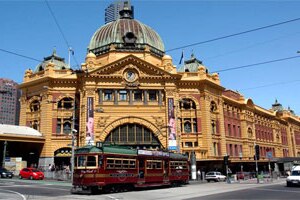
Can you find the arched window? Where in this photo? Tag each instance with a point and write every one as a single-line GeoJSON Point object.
{"type": "Point", "coordinates": [66, 103]}
{"type": "Point", "coordinates": [187, 127]}
{"type": "Point", "coordinates": [35, 106]}
{"type": "Point", "coordinates": [188, 124]}
{"type": "Point", "coordinates": [213, 106]}
{"type": "Point", "coordinates": [250, 134]}
{"type": "Point", "coordinates": [187, 104]}
{"type": "Point", "coordinates": [67, 127]}
{"type": "Point", "coordinates": [134, 135]}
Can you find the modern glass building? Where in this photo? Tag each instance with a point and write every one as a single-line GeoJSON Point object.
{"type": "Point", "coordinates": [113, 10]}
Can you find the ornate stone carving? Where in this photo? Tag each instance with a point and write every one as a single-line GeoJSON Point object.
{"type": "Point", "coordinates": [159, 121]}
{"type": "Point", "coordinates": [102, 121]}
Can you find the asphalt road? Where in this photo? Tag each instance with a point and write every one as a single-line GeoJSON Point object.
{"type": "Point", "coordinates": [15, 189]}
{"type": "Point", "coordinates": [273, 192]}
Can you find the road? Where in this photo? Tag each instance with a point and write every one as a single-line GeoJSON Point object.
{"type": "Point", "coordinates": [15, 189]}
{"type": "Point", "coordinates": [267, 192]}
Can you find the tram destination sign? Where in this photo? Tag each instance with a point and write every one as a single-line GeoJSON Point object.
{"type": "Point", "coordinates": [153, 153]}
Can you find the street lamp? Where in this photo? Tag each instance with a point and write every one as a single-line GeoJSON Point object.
{"type": "Point", "coordinates": [241, 157]}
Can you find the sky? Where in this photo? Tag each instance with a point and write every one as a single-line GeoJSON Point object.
{"type": "Point", "coordinates": [28, 28]}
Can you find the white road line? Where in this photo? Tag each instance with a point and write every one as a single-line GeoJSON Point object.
{"type": "Point", "coordinates": [40, 186]}
{"type": "Point", "coordinates": [289, 191]}
{"type": "Point", "coordinates": [111, 197]}
{"type": "Point", "coordinates": [24, 198]}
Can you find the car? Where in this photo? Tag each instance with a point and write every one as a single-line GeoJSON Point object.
{"type": "Point", "coordinates": [214, 176]}
{"type": "Point", "coordinates": [294, 177]}
{"type": "Point", "coordinates": [5, 173]}
{"type": "Point", "coordinates": [31, 173]}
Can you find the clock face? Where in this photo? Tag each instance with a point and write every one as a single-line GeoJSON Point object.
{"type": "Point", "coordinates": [130, 76]}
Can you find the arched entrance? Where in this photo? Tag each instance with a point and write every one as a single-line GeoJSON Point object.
{"type": "Point", "coordinates": [133, 135]}
{"type": "Point", "coordinates": [62, 157]}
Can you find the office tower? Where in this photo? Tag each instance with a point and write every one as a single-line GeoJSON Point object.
{"type": "Point", "coordinates": [112, 11]}
{"type": "Point", "coordinates": [9, 104]}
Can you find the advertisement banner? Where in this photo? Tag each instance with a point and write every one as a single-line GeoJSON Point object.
{"type": "Point", "coordinates": [89, 139]}
{"type": "Point", "coordinates": [172, 125]}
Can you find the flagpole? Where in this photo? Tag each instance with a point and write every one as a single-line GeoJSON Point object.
{"type": "Point", "coordinates": [69, 52]}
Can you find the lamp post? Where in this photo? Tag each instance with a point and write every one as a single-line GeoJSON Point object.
{"type": "Point", "coordinates": [74, 132]}
{"type": "Point", "coordinates": [241, 157]}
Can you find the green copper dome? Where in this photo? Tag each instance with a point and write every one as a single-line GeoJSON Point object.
{"type": "Point", "coordinates": [127, 34]}
{"type": "Point", "coordinates": [59, 63]}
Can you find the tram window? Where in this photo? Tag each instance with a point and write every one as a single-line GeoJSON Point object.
{"type": "Point", "coordinates": [154, 164]}
{"type": "Point", "coordinates": [81, 161]}
{"type": "Point", "coordinates": [91, 161]}
{"type": "Point", "coordinates": [178, 165]}
{"type": "Point", "coordinates": [113, 163]}
{"type": "Point", "coordinates": [118, 163]}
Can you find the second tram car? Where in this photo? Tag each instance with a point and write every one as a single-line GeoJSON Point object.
{"type": "Point", "coordinates": [114, 168]}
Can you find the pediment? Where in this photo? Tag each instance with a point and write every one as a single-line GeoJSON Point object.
{"type": "Point", "coordinates": [141, 67]}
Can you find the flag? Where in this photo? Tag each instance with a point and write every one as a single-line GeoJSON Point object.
{"type": "Point", "coordinates": [181, 58]}
{"type": "Point", "coordinates": [71, 51]}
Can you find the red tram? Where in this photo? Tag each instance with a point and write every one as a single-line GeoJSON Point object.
{"type": "Point", "coordinates": [113, 168]}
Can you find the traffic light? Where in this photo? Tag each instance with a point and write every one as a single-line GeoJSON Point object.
{"type": "Point", "coordinates": [257, 152]}
{"type": "Point", "coordinates": [226, 158]}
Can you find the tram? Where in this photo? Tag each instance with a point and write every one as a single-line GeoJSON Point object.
{"type": "Point", "coordinates": [113, 168]}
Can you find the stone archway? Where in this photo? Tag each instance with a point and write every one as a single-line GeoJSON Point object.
{"type": "Point", "coordinates": [157, 132]}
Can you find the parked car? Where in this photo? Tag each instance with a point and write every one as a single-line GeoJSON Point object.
{"type": "Point", "coordinates": [214, 176]}
{"type": "Point", "coordinates": [31, 173]}
{"type": "Point", "coordinates": [294, 177]}
{"type": "Point", "coordinates": [5, 173]}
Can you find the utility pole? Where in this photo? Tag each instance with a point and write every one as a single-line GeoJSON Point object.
{"type": "Point", "coordinates": [4, 153]}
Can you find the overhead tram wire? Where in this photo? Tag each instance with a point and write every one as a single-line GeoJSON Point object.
{"type": "Point", "coordinates": [255, 64]}
{"type": "Point", "coordinates": [235, 34]}
{"type": "Point", "coordinates": [20, 55]}
{"type": "Point", "coordinates": [269, 85]}
{"type": "Point", "coordinates": [61, 32]}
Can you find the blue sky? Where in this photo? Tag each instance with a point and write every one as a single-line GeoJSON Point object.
{"type": "Point", "coordinates": [28, 28]}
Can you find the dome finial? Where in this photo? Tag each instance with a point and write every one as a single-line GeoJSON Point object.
{"type": "Point", "coordinates": [126, 12]}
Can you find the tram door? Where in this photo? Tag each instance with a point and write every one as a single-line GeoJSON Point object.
{"type": "Point", "coordinates": [166, 169]}
{"type": "Point", "coordinates": [141, 169]}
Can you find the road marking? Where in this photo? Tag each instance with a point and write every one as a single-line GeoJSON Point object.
{"type": "Point", "coordinates": [24, 198]}
{"type": "Point", "coordinates": [40, 186]}
{"type": "Point", "coordinates": [276, 190]}
{"type": "Point", "coordinates": [111, 197]}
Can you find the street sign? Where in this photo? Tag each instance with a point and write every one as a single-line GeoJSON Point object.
{"type": "Point", "coordinates": [269, 154]}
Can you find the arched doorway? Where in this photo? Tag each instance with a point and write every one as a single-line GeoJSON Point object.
{"type": "Point", "coordinates": [133, 135]}
{"type": "Point", "coordinates": [62, 157]}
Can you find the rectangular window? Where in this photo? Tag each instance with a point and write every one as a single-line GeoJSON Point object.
{"type": "Point", "coordinates": [58, 126]}
{"type": "Point", "coordinates": [188, 144]}
{"type": "Point", "coordinates": [229, 129]}
{"type": "Point", "coordinates": [107, 95]}
{"type": "Point", "coordinates": [137, 95]}
{"type": "Point", "coordinates": [152, 95]}
{"type": "Point", "coordinates": [123, 95]}
{"type": "Point", "coordinates": [234, 131]}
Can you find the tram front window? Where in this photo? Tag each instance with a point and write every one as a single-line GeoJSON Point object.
{"type": "Point", "coordinates": [86, 162]}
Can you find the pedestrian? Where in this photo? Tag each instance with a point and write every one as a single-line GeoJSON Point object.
{"type": "Point", "coordinates": [199, 174]}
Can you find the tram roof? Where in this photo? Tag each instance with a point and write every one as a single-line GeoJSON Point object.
{"type": "Point", "coordinates": [106, 149]}
{"type": "Point", "coordinates": [120, 150]}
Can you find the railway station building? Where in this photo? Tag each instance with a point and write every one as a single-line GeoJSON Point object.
{"type": "Point", "coordinates": [129, 92]}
